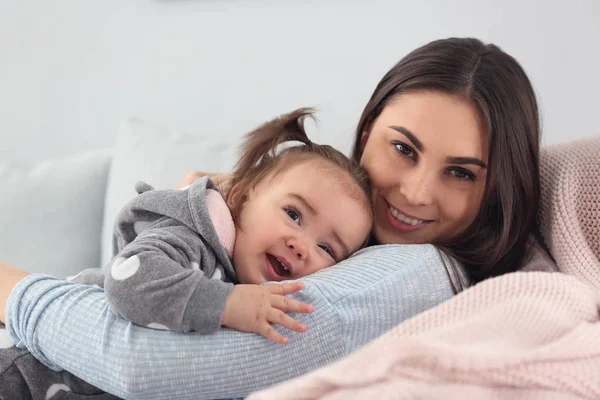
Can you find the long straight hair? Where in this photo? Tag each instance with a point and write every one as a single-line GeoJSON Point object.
{"type": "Point", "coordinates": [486, 76]}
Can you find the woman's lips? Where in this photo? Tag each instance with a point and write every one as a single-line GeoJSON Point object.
{"type": "Point", "coordinates": [401, 221]}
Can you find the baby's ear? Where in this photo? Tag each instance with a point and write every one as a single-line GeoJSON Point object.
{"type": "Point", "coordinates": [237, 195]}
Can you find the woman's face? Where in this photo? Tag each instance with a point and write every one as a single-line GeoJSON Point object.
{"type": "Point", "coordinates": [426, 155]}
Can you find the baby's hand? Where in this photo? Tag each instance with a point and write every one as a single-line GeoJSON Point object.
{"type": "Point", "coordinates": [253, 308]}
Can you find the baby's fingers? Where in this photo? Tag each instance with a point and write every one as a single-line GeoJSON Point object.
{"type": "Point", "coordinates": [284, 304]}
{"type": "Point", "coordinates": [270, 333]}
{"type": "Point", "coordinates": [280, 318]}
{"type": "Point", "coordinates": [285, 288]}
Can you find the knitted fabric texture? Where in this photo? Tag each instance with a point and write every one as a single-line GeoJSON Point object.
{"type": "Point", "coordinates": [526, 335]}
{"type": "Point", "coordinates": [570, 209]}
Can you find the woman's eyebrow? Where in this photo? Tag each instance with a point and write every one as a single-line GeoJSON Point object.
{"type": "Point", "coordinates": [450, 160]}
{"type": "Point", "coordinates": [410, 136]}
{"type": "Point", "coordinates": [466, 160]}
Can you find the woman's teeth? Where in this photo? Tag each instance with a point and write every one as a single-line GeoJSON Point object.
{"type": "Point", "coordinates": [407, 220]}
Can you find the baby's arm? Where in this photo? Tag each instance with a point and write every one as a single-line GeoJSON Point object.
{"type": "Point", "coordinates": [156, 281]}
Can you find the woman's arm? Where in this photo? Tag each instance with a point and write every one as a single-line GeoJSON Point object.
{"type": "Point", "coordinates": [10, 276]}
{"type": "Point", "coordinates": [69, 326]}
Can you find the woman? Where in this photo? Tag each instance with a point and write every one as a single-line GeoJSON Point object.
{"type": "Point", "coordinates": [450, 138]}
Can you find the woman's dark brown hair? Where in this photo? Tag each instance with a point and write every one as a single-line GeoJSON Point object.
{"type": "Point", "coordinates": [262, 157]}
{"type": "Point", "coordinates": [495, 243]}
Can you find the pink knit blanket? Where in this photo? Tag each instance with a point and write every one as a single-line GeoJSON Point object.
{"type": "Point", "coordinates": [526, 335]}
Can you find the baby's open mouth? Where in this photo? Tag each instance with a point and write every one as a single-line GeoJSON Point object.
{"type": "Point", "coordinates": [279, 267]}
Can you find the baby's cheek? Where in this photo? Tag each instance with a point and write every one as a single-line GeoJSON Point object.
{"type": "Point", "coordinates": [325, 265]}
{"type": "Point", "coordinates": [368, 223]}
{"type": "Point", "coordinates": [238, 252]}
{"type": "Point", "coordinates": [238, 248]}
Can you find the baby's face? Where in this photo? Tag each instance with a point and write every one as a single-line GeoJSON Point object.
{"type": "Point", "coordinates": [304, 219]}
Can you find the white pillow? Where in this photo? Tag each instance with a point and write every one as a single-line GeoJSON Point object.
{"type": "Point", "coordinates": [161, 157]}
{"type": "Point", "coordinates": [51, 213]}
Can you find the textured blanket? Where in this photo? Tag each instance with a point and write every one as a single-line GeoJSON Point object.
{"type": "Point", "coordinates": [527, 335]}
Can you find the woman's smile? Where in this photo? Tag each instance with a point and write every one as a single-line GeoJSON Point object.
{"type": "Point", "coordinates": [424, 154]}
{"type": "Point", "coordinates": [402, 221]}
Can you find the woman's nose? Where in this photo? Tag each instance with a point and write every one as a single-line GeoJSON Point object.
{"type": "Point", "coordinates": [298, 248]}
{"type": "Point", "coordinates": [417, 187]}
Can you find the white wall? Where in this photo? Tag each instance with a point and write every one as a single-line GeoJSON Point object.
{"type": "Point", "coordinates": [71, 70]}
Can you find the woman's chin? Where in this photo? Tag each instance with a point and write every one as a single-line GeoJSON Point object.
{"type": "Point", "coordinates": [385, 236]}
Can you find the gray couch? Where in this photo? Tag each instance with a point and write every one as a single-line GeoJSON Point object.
{"type": "Point", "coordinates": [56, 216]}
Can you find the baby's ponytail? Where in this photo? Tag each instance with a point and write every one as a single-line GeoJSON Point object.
{"type": "Point", "coordinates": [260, 145]}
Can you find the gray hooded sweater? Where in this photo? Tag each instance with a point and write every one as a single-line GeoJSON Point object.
{"type": "Point", "coordinates": [170, 270]}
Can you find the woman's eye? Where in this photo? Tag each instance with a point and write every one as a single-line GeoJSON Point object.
{"type": "Point", "coordinates": [328, 250]}
{"type": "Point", "coordinates": [293, 214]}
{"type": "Point", "coordinates": [462, 174]}
{"type": "Point", "coordinates": [404, 149]}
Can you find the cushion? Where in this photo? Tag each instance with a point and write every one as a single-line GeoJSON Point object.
{"type": "Point", "coordinates": [570, 206]}
{"type": "Point", "coordinates": [161, 157]}
{"type": "Point", "coordinates": [51, 213]}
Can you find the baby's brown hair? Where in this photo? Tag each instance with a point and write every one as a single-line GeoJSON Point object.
{"type": "Point", "coordinates": [260, 158]}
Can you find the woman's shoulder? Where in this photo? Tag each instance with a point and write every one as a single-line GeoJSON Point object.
{"type": "Point", "coordinates": [404, 252]}
{"type": "Point", "coordinates": [383, 265]}
{"type": "Point", "coordinates": [381, 286]}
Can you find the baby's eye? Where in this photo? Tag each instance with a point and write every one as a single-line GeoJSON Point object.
{"type": "Point", "coordinates": [293, 214]}
{"type": "Point", "coordinates": [328, 250]}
